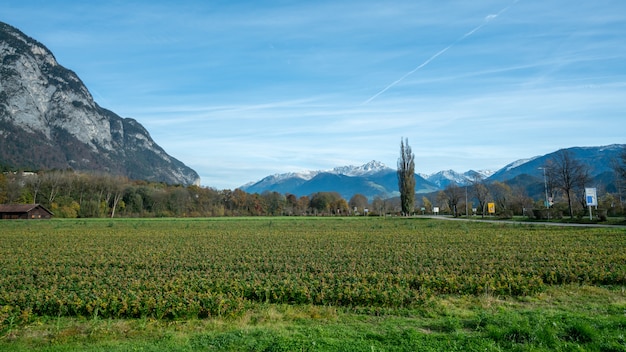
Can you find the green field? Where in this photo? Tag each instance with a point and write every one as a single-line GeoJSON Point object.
{"type": "Point", "coordinates": [310, 284]}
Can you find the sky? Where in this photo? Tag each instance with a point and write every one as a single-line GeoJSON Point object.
{"type": "Point", "coordinates": [239, 90]}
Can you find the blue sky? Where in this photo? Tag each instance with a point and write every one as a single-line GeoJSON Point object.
{"type": "Point", "coordinates": [239, 90]}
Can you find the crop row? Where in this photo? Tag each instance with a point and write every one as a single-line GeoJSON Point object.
{"type": "Point", "coordinates": [201, 268]}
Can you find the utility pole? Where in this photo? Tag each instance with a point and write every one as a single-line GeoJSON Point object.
{"type": "Point", "coordinates": [545, 189]}
{"type": "Point", "coordinates": [466, 206]}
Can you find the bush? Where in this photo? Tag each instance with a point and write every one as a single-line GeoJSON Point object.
{"type": "Point", "coordinates": [601, 214]}
{"type": "Point", "coordinates": [506, 214]}
{"type": "Point", "coordinates": [545, 214]}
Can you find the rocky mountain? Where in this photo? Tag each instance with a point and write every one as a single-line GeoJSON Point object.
{"type": "Point", "coordinates": [48, 119]}
{"type": "Point", "coordinates": [373, 179]}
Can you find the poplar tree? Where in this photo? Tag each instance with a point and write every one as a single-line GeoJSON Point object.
{"type": "Point", "coordinates": [406, 177]}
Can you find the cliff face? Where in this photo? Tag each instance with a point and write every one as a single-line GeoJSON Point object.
{"type": "Point", "coordinates": [48, 119]}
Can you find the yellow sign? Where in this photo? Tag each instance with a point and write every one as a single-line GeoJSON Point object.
{"type": "Point", "coordinates": [491, 207]}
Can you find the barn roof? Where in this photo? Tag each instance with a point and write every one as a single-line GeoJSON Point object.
{"type": "Point", "coordinates": [20, 208]}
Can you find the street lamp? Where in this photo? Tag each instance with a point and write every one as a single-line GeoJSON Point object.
{"type": "Point", "coordinates": [545, 186]}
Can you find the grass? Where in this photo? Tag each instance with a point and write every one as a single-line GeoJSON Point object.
{"type": "Point", "coordinates": [557, 317]}
{"type": "Point", "coordinates": [567, 318]}
{"type": "Point", "coordinates": [579, 219]}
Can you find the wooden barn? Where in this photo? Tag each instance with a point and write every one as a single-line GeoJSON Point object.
{"type": "Point", "coordinates": [24, 211]}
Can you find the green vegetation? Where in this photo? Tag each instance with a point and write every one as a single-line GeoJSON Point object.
{"type": "Point", "coordinates": [312, 284]}
{"type": "Point", "coordinates": [406, 177]}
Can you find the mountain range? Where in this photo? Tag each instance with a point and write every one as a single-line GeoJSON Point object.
{"type": "Point", "coordinates": [49, 120]}
{"type": "Point", "coordinates": [375, 179]}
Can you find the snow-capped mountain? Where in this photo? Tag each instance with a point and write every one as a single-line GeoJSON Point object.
{"type": "Point", "coordinates": [446, 177]}
{"type": "Point", "coordinates": [371, 179]}
{"type": "Point", "coordinates": [353, 171]}
{"type": "Point", "coordinates": [443, 178]}
{"type": "Point", "coordinates": [483, 173]}
{"type": "Point", "coordinates": [367, 169]}
{"type": "Point", "coordinates": [518, 163]}
{"type": "Point", "coordinates": [305, 175]}
{"type": "Point", "coordinates": [376, 179]}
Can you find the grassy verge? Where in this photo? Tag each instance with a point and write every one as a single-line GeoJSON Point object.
{"type": "Point", "coordinates": [561, 318]}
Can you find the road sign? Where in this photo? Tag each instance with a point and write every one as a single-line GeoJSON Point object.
{"type": "Point", "coordinates": [591, 196]}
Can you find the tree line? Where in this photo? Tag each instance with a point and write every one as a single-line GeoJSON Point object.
{"type": "Point", "coordinates": [73, 194]}
{"type": "Point", "coordinates": [565, 181]}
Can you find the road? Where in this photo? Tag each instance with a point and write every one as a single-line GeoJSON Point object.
{"type": "Point", "coordinates": [446, 217]}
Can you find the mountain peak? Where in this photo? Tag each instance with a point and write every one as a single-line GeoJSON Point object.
{"type": "Point", "coordinates": [369, 168]}
{"type": "Point", "coordinates": [372, 179]}
{"type": "Point", "coordinates": [446, 177]}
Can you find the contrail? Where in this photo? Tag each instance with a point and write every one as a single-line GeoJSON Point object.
{"type": "Point", "coordinates": [484, 23]}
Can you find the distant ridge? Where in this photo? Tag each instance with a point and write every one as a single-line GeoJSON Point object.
{"type": "Point", "coordinates": [374, 179]}
{"type": "Point", "coordinates": [599, 159]}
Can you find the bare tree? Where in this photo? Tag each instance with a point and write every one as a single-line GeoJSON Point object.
{"type": "Point", "coordinates": [481, 193]}
{"type": "Point", "coordinates": [117, 188]}
{"type": "Point", "coordinates": [35, 184]}
{"type": "Point", "coordinates": [567, 174]}
{"type": "Point", "coordinates": [502, 196]}
{"type": "Point", "coordinates": [380, 205]}
{"type": "Point", "coordinates": [442, 201]}
{"type": "Point", "coordinates": [406, 177]}
{"type": "Point", "coordinates": [453, 196]}
{"type": "Point", "coordinates": [520, 200]}
{"type": "Point", "coordinates": [51, 184]}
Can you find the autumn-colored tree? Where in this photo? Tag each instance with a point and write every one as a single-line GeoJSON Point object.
{"type": "Point", "coordinates": [303, 205]}
{"type": "Point", "coordinates": [328, 202]}
{"type": "Point", "coordinates": [358, 202]}
{"type": "Point", "coordinates": [502, 196]}
{"type": "Point", "coordinates": [428, 206]}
